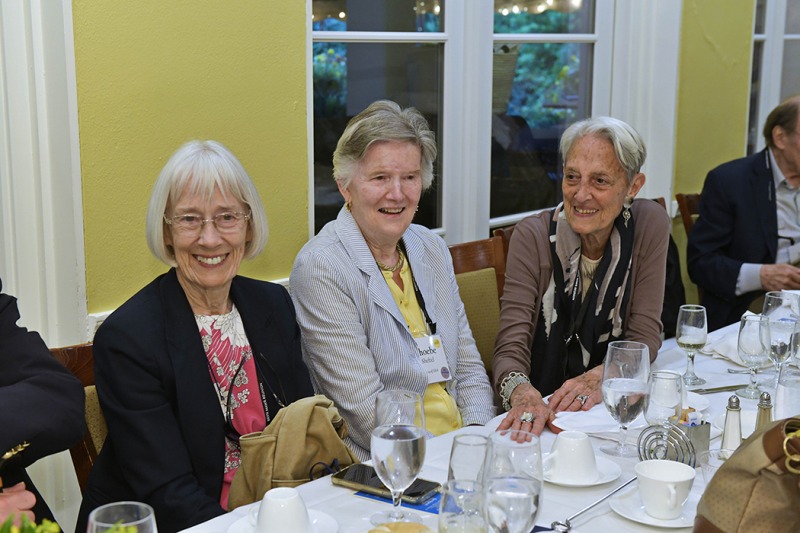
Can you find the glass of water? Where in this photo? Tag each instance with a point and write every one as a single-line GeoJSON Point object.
{"type": "Point", "coordinates": [787, 395]}
{"type": "Point", "coordinates": [626, 372]}
{"type": "Point", "coordinates": [398, 448]}
{"type": "Point", "coordinates": [122, 516]}
{"type": "Point", "coordinates": [461, 507]}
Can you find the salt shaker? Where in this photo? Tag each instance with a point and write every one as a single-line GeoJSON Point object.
{"type": "Point", "coordinates": [732, 432]}
{"type": "Point", "coordinates": [764, 417]}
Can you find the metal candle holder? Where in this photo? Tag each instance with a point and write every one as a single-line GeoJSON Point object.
{"type": "Point", "coordinates": [668, 441]}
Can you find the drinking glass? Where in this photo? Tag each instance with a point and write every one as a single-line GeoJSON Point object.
{"type": "Point", "coordinates": [461, 507]}
{"type": "Point", "coordinates": [122, 515]}
{"type": "Point", "coordinates": [754, 345]}
{"type": "Point", "coordinates": [626, 372]}
{"type": "Point", "coordinates": [692, 334]}
{"type": "Point", "coordinates": [666, 398]}
{"type": "Point", "coordinates": [787, 394]}
{"type": "Point", "coordinates": [466, 456]}
{"type": "Point", "coordinates": [512, 481]}
{"type": "Point", "coordinates": [398, 448]}
{"type": "Point", "coordinates": [782, 310]}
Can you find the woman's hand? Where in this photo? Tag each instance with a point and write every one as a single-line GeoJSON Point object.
{"type": "Point", "coordinates": [16, 501]}
{"type": "Point", "coordinates": [526, 399]}
{"type": "Point", "coordinates": [569, 397]}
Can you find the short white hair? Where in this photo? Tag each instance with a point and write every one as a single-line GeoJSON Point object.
{"type": "Point", "coordinates": [628, 144]}
{"type": "Point", "coordinates": [202, 167]}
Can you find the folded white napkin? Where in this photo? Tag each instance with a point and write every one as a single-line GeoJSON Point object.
{"type": "Point", "coordinates": [597, 422]}
{"type": "Point", "coordinates": [725, 348]}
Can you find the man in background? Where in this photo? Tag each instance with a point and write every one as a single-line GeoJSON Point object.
{"type": "Point", "coordinates": [747, 237]}
{"type": "Point", "coordinates": [41, 404]}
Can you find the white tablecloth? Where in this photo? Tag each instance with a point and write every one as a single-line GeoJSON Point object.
{"type": "Point", "coordinates": [352, 512]}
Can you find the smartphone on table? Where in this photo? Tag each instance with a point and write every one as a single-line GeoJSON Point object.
{"type": "Point", "coordinates": [363, 477]}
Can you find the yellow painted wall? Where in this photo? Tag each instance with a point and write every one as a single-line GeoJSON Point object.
{"type": "Point", "coordinates": [152, 74]}
{"type": "Point", "coordinates": [713, 95]}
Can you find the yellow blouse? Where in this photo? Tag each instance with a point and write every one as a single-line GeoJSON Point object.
{"type": "Point", "coordinates": [441, 412]}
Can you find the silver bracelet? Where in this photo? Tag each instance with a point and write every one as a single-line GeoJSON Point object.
{"type": "Point", "coordinates": [508, 385]}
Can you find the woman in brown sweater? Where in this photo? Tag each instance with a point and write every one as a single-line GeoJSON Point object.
{"type": "Point", "coordinates": [579, 276]}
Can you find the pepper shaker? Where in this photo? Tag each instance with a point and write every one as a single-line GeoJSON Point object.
{"type": "Point", "coordinates": [732, 432]}
{"type": "Point", "coordinates": [764, 417]}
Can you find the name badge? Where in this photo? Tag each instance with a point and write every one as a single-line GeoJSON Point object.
{"type": "Point", "coordinates": [433, 358]}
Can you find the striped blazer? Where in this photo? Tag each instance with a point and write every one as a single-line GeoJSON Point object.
{"type": "Point", "coordinates": [355, 340]}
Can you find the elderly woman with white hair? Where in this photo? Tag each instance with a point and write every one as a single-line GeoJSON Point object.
{"type": "Point", "coordinates": [579, 276]}
{"type": "Point", "coordinates": [376, 295]}
{"type": "Point", "coordinates": [198, 357]}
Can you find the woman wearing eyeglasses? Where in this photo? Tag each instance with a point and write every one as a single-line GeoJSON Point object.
{"type": "Point", "coordinates": [199, 356]}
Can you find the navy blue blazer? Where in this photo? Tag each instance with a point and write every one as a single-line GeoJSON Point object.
{"type": "Point", "coordinates": [41, 402]}
{"type": "Point", "coordinates": [738, 224]}
{"type": "Point", "coordinates": [166, 431]}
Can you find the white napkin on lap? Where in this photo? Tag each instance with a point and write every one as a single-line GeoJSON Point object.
{"type": "Point", "coordinates": [597, 422]}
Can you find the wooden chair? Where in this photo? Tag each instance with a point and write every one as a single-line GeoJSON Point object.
{"type": "Point", "coordinates": [480, 268]}
{"type": "Point", "coordinates": [80, 361]}
{"type": "Point", "coordinates": [505, 234]}
{"type": "Point", "coordinates": [688, 206]}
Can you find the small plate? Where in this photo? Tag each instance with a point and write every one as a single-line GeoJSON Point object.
{"type": "Point", "coordinates": [748, 422]}
{"type": "Point", "coordinates": [608, 471]}
{"type": "Point", "coordinates": [630, 506]}
{"type": "Point", "coordinates": [320, 523]}
{"type": "Point", "coordinates": [697, 401]}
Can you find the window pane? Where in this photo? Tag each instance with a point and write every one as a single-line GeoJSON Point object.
{"type": "Point", "coordinates": [350, 76]}
{"type": "Point", "coordinates": [792, 17]}
{"type": "Point", "coordinates": [761, 13]}
{"type": "Point", "coordinates": [790, 82]}
{"type": "Point", "coordinates": [544, 16]}
{"type": "Point", "coordinates": [754, 128]}
{"type": "Point", "coordinates": [537, 91]}
{"type": "Point", "coordinates": [372, 15]}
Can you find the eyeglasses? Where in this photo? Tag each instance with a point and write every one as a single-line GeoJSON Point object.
{"type": "Point", "coordinates": [224, 222]}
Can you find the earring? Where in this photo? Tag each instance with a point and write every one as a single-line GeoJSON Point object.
{"type": "Point", "coordinates": [626, 211]}
{"type": "Point", "coordinates": [347, 205]}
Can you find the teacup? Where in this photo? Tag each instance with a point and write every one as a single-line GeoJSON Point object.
{"type": "Point", "coordinates": [664, 487]}
{"type": "Point", "coordinates": [571, 459]}
{"type": "Point", "coordinates": [281, 509]}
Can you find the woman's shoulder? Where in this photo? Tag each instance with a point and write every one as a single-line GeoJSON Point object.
{"type": "Point", "coordinates": [651, 215]}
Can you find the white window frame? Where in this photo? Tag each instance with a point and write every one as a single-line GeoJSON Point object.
{"type": "Point", "coordinates": [770, 77]}
{"type": "Point", "coordinates": [637, 83]}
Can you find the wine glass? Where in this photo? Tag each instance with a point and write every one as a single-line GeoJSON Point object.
{"type": "Point", "coordinates": [512, 481]}
{"type": "Point", "coordinates": [466, 456]}
{"type": "Point", "coordinates": [692, 334]}
{"type": "Point", "coordinates": [398, 448]}
{"type": "Point", "coordinates": [119, 516]}
{"type": "Point", "coordinates": [663, 405]}
{"type": "Point", "coordinates": [625, 375]}
{"type": "Point", "coordinates": [787, 394]}
{"type": "Point", "coordinates": [782, 310]}
{"type": "Point", "coordinates": [754, 345]}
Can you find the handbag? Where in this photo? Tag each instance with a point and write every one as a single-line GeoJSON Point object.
{"type": "Point", "coordinates": [304, 438]}
{"type": "Point", "coordinates": [758, 487]}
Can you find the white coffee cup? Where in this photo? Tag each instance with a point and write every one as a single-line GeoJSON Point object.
{"type": "Point", "coordinates": [571, 459]}
{"type": "Point", "coordinates": [281, 509]}
{"type": "Point", "coordinates": [664, 487]}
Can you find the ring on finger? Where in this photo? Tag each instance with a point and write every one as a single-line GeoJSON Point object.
{"type": "Point", "coordinates": [582, 398]}
{"type": "Point", "coordinates": [527, 416]}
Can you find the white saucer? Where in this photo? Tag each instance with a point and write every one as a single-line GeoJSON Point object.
{"type": "Point", "coordinates": [699, 403]}
{"type": "Point", "coordinates": [630, 506]}
{"type": "Point", "coordinates": [748, 422]}
{"type": "Point", "coordinates": [608, 471]}
{"type": "Point", "coordinates": [320, 523]}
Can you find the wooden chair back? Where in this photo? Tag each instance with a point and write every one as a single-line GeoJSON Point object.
{"type": "Point", "coordinates": [505, 234]}
{"type": "Point", "coordinates": [480, 268]}
{"type": "Point", "coordinates": [79, 360]}
{"type": "Point", "coordinates": [688, 206]}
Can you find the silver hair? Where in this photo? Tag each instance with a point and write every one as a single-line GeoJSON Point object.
{"type": "Point", "coordinates": [628, 144]}
{"type": "Point", "coordinates": [202, 167]}
{"type": "Point", "coordinates": [383, 121]}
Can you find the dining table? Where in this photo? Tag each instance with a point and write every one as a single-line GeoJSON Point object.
{"type": "Point", "coordinates": [352, 512]}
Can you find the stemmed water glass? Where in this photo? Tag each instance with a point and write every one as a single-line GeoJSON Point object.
{"type": "Point", "coordinates": [754, 345]}
{"type": "Point", "coordinates": [625, 376]}
{"type": "Point", "coordinates": [398, 448]}
{"type": "Point", "coordinates": [692, 335]}
{"type": "Point", "coordinates": [781, 308]}
{"type": "Point", "coordinates": [664, 405]}
{"type": "Point", "coordinates": [512, 481]}
{"type": "Point", "coordinates": [120, 516]}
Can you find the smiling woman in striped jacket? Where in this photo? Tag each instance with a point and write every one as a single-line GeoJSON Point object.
{"type": "Point", "coordinates": [376, 296]}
